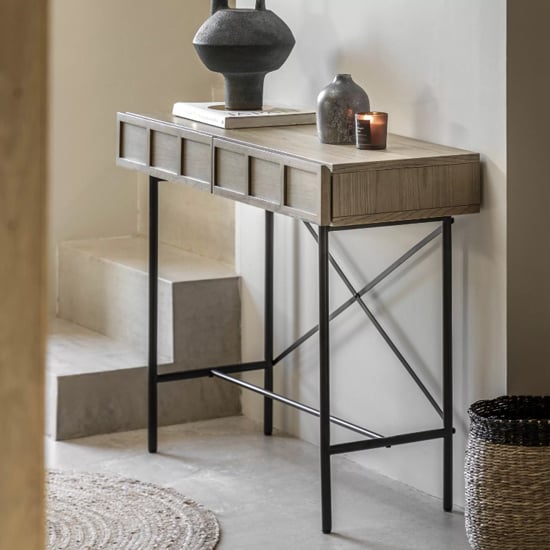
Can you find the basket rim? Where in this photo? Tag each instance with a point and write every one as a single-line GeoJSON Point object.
{"type": "Point", "coordinates": [513, 420]}
{"type": "Point", "coordinates": [491, 410]}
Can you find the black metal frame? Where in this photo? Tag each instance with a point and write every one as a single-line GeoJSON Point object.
{"type": "Point", "coordinates": [375, 440]}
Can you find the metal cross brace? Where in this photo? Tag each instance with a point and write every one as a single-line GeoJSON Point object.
{"type": "Point", "coordinates": [357, 297]}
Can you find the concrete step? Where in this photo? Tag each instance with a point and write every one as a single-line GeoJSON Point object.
{"type": "Point", "coordinates": [96, 384]}
{"type": "Point", "coordinates": [103, 286]}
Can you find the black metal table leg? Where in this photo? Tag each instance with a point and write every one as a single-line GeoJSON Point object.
{"type": "Point", "coordinates": [268, 323]}
{"type": "Point", "coordinates": [152, 413]}
{"type": "Point", "coordinates": [447, 367]}
{"type": "Point", "coordinates": [324, 379]}
{"type": "Point", "coordinates": [326, 450]}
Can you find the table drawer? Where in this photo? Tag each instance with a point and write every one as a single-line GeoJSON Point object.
{"type": "Point", "coordinates": [405, 193]}
{"type": "Point", "coordinates": [164, 152]}
{"type": "Point", "coordinates": [269, 180]}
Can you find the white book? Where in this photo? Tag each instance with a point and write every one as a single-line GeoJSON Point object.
{"type": "Point", "coordinates": [215, 114]}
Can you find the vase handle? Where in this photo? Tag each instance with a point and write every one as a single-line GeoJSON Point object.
{"type": "Point", "coordinates": [216, 5]}
{"type": "Point", "coordinates": [260, 4]}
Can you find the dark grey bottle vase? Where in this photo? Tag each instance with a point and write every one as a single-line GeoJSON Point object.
{"type": "Point", "coordinates": [244, 45]}
{"type": "Point", "coordinates": [336, 107]}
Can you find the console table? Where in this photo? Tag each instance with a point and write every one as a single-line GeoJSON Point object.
{"type": "Point", "coordinates": [334, 187]}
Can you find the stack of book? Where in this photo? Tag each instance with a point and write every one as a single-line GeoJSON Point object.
{"type": "Point", "coordinates": [215, 114]}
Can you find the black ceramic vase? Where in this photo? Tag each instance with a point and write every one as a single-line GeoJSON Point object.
{"type": "Point", "coordinates": [336, 107]}
{"type": "Point", "coordinates": [244, 45]}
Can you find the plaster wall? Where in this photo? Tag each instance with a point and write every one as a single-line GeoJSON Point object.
{"type": "Point", "coordinates": [439, 68]}
{"type": "Point", "coordinates": [528, 198]}
{"type": "Point", "coordinates": [128, 55]}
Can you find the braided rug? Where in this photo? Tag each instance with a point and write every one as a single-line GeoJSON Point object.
{"type": "Point", "coordinates": [92, 511]}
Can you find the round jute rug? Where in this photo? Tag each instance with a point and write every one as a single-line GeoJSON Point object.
{"type": "Point", "coordinates": [92, 511]}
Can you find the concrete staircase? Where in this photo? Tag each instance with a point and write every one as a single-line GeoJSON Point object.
{"type": "Point", "coordinates": [96, 377]}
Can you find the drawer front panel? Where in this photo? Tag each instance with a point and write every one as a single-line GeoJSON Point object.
{"type": "Point", "coordinates": [230, 170]}
{"type": "Point", "coordinates": [197, 160]}
{"type": "Point", "coordinates": [164, 152]}
{"type": "Point", "coordinates": [171, 153]}
{"type": "Point", "coordinates": [403, 190]}
{"type": "Point", "coordinates": [269, 180]}
{"type": "Point", "coordinates": [134, 143]}
{"type": "Point", "coordinates": [263, 175]}
{"type": "Point", "coordinates": [302, 190]}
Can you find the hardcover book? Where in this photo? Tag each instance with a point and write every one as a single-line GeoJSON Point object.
{"type": "Point", "coordinates": [215, 114]}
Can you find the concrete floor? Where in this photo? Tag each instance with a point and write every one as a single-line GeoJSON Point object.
{"type": "Point", "coordinates": [265, 491]}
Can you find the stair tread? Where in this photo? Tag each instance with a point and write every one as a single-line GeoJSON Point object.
{"type": "Point", "coordinates": [175, 264]}
{"type": "Point", "coordinates": [97, 385]}
{"type": "Point", "coordinates": [73, 350]}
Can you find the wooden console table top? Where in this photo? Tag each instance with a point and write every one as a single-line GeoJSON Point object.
{"type": "Point", "coordinates": [286, 169]}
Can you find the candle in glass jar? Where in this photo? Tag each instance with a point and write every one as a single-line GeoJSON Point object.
{"type": "Point", "coordinates": [371, 130]}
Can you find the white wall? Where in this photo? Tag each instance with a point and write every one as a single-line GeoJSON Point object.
{"type": "Point", "coordinates": [439, 68]}
{"type": "Point", "coordinates": [108, 56]}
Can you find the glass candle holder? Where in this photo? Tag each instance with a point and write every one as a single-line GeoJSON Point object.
{"type": "Point", "coordinates": [371, 130]}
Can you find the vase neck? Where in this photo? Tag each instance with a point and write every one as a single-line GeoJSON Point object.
{"type": "Point", "coordinates": [216, 5]}
{"type": "Point", "coordinates": [343, 78]}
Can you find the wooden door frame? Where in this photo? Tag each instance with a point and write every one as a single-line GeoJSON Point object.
{"type": "Point", "coordinates": [23, 203]}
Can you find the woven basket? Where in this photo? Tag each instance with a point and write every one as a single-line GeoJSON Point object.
{"type": "Point", "coordinates": [507, 473]}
